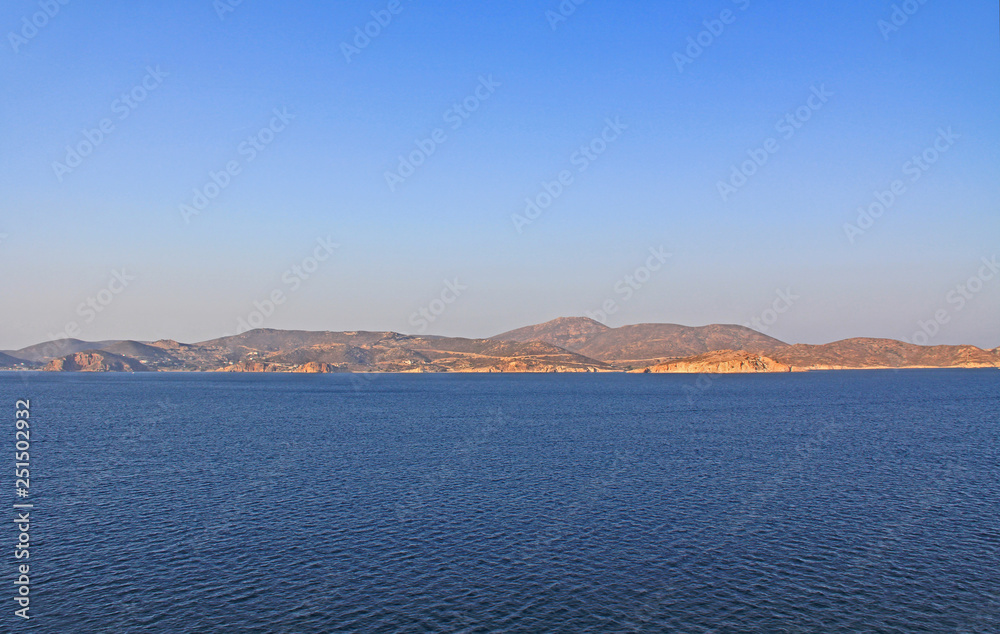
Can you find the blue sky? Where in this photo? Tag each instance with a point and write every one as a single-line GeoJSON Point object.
{"type": "Point", "coordinates": [212, 85]}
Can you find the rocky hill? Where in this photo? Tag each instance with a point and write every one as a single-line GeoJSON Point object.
{"type": "Point", "coordinates": [884, 353]}
{"type": "Point", "coordinates": [850, 354]}
{"type": "Point", "coordinates": [722, 362]}
{"type": "Point", "coordinates": [8, 362]}
{"type": "Point", "coordinates": [562, 345]}
{"type": "Point", "coordinates": [299, 351]}
{"type": "Point", "coordinates": [643, 344]}
{"type": "Point", "coordinates": [57, 348]}
{"type": "Point", "coordinates": [95, 361]}
{"type": "Point", "coordinates": [570, 333]}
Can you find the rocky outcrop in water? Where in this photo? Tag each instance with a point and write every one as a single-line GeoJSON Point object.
{"type": "Point", "coordinates": [94, 361]}
{"type": "Point", "coordinates": [722, 362]}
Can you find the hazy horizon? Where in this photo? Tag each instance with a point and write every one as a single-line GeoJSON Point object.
{"type": "Point", "coordinates": [243, 150]}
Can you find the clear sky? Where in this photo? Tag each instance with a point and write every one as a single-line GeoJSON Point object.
{"type": "Point", "coordinates": [95, 238]}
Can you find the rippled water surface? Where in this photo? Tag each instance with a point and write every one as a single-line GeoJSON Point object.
{"type": "Point", "coordinates": [821, 502]}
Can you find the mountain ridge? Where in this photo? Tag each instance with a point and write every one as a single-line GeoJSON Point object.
{"type": "Point", "coordinates": [566, 344]}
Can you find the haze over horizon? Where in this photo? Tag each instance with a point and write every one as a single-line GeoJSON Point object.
{"type": "Point", "coordinates": [299, 125]}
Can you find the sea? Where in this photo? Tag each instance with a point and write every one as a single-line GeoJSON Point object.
{"type": "Point", "coordinates": [847, 501]}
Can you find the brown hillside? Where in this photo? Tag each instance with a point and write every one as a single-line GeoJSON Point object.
{"type": "Point", "coordinates": [95, 361]}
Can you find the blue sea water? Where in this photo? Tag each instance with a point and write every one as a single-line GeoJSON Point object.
{"type": "Point", "coordinates": [818, 502]}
